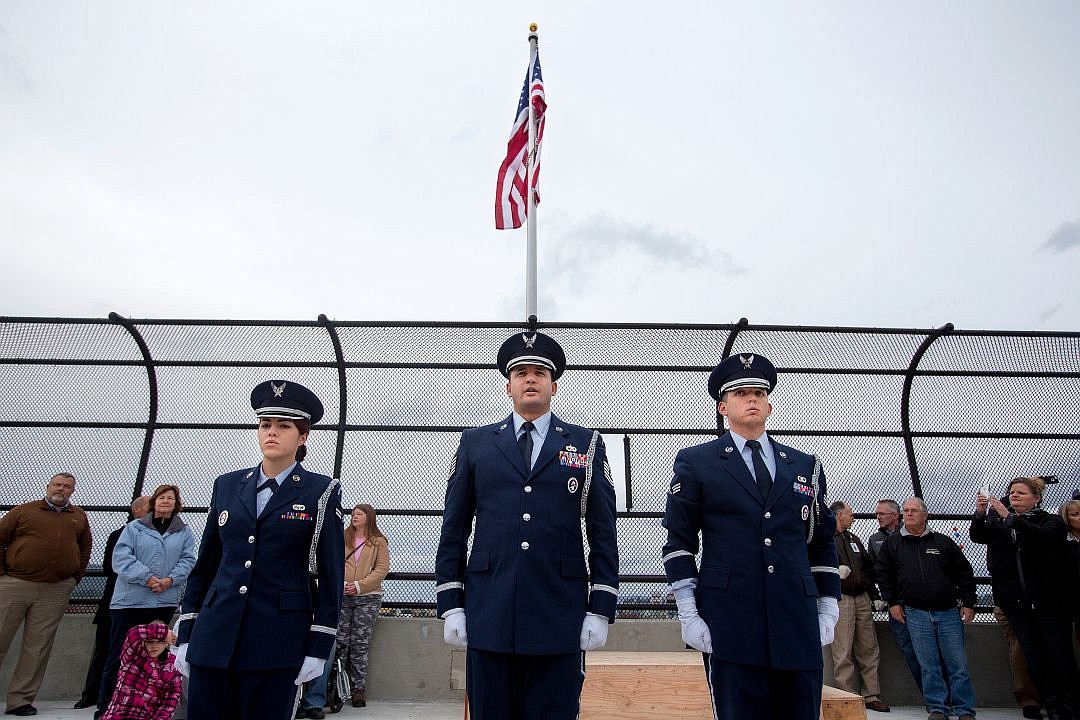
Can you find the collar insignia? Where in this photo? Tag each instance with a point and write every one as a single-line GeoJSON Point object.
{"type": "Point", "coordinates": [279, 389]}
{"type": "Point", "coordinates": [729, 449]}
{"type": "Point", "coordinates": [296, 478]}
{"type": "Point", "coordinates": [558, 429]}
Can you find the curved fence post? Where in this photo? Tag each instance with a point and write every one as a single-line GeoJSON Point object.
{"type": "Point", "coordinates": [343, 403]}
{"type": "Point", "coordinates": [728, 344]}
{"type": "Point", "coordinates": [151, 420]}
{"type": "Point", "coordinates": [905, 405]}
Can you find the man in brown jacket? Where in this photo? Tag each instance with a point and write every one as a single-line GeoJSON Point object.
{"type": "Point", "coordinates": [855, 647]}
{"type": "Point", "coordinates": [44, 550]}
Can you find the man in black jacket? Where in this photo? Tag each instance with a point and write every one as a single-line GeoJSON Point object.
{"type": "Point", "coordinates": [139, 507]}
{"type": "Point", "coordinates": [923, 577]}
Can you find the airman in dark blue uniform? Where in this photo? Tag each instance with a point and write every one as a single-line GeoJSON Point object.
{"type": "Point", "coordinates": [524, 601]}
{"type": "Point", "coordinates": [254, 624]}
{"type": "Point", "coordinates": [765, 598]}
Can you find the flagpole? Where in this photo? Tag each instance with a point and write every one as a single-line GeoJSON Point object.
{"type": "Point", "coordinates": [530, 251]}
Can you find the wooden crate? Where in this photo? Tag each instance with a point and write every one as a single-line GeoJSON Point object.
{"type": "Point", "coordinates": [625, 685]}
{"type": "Point", "coordinates": [670, 685]}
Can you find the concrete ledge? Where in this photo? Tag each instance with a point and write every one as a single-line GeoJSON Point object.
{"type": "Point", "coordinates": [410, 662]}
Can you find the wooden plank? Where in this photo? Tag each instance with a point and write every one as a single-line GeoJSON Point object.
{"type": "Point", "coordinates": [840, 705]}
{"type": "Point", "coordinates": [670, 685]}
{"type": "Point", "coordinates": [626, 686]}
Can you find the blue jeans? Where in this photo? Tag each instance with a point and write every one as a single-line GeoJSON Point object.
{"type": "Point", "coordinates": [941, 632]}
{"type": "Point", "coordinates": [903, 639]}
{"type": "Point", "coordinates": [315, 693]}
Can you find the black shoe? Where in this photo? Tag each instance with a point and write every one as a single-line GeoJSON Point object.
{"type": "Point", "coordinates": [301, 713]}
{"type": "Point", "coordinates": [23, 711]}
{"type": "Point", "coordinates": [1032, 712]}
{"type": "Point", "coordinates": [316, 713]}
{"type": "Point", "coordinates": [84, 703]}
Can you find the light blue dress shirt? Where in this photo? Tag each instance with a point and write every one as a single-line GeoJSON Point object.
{"type": "Point", "coordinates": [263, 496]}
{"type": "Point", "coordinates": [541, 425]}
{"type": "Point", "coordinates": [748, 455]}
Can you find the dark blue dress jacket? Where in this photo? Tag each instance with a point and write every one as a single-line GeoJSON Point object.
{"type": "Point", "coordinates": [760, 579]}
{"type": "Point", "coordinates": [251, 601]}
{"type": "Point", "coordinates": [525, 586]}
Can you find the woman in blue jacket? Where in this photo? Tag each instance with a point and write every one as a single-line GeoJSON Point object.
{"type": "Point", "coordinates": [152, 560]}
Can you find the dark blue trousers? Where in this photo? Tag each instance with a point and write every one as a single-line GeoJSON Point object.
{"type": "Point", "coordinates": [747, 692]}
{"type": "Point", "coordinates": [216, 694]}
{"type": "Point", "coordinates": [506, 686]}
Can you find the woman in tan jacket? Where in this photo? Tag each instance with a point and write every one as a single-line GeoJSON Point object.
{"type": "Point", "coordinates": [366, 564]}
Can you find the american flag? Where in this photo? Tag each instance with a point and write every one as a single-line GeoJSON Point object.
{"type": "Point", "coordinates": [511, 204]}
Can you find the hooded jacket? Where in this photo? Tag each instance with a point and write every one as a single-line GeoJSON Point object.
{"type": "Point", "coordinates": [143, 552]}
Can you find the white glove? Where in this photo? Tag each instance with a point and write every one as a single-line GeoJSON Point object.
{"type": "Point", "coordinates": [845, 570]}
{"type": "Point", "coordinates": [695, 632]}
{"type": "Point", "coordinates": [593, 632]}
{"type": "Point", "coordinates": [180, 661]}
{"type": "Point", "coordinates": [880, 606]}
{"type": "Point", "coordinates": [311, 669]}
{"type": "Point", "coordinates": [453, 631]}
{"type": "Point", "coordinates": [828, 612]}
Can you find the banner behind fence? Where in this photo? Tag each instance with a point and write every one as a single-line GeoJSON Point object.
{"type": "Point", "coordinates": [126, 405]}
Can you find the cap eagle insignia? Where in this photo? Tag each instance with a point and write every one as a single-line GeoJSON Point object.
{"type": "Point", "coordinates": [746, 362]}
{"type": "Point", "coordinates": [529, 341]}
{"type": "Point", "coordinates": [278, 389]}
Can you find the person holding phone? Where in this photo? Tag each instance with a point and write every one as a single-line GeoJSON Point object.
{"type": "Point", "coordinates": [1025, 554]}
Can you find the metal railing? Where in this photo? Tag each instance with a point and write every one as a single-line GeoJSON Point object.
{"type": "Point", "coordinates": [127, 404]}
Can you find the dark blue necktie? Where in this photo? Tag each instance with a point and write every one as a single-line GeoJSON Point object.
{"type": "Point", "coordinates": [525, 444]}
{"type": "Point", "coordinates": [761, 472]}
{"type": "Point", "coordinates": [271, 483]}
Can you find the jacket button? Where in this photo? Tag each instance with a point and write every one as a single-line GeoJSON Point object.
{"type": "Point", "coordinates": [768, 542]}
{"type": "Point", "coordinates": [251, 539]}
{"type": "Point", "coordinates": [768, 515]}
{"type": "Point", "coordinates": [771, 569]}
{"type": "Point", "coordinates": [528, 488]}
{"type": "Point", "coordinates": [247, 564]}
{"type": "Point", "coordinates": [526, 517]}
{"type": "Point", "coordinates": [525, 545]}
{"type": "Point", "coordinates": [243, 589]}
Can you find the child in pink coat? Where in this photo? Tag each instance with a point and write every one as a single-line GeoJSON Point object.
{"type": "Point", "coordinates": [147, 686]}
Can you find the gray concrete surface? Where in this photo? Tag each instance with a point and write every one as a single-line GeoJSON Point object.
{"type": "Point", "coordinates": [411, 663]}
{"type": "Point", "coordinates": [55, 710]}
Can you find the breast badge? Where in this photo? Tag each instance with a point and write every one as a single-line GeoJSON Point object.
{"type": "Point", "coordinates": [573, 459]}
{"type": "Point", "coordinates": [805, 511]}
{"type": "Point", "coordinates": [572, 485]}
{"type": "Point", "coordinates": [223, 518]}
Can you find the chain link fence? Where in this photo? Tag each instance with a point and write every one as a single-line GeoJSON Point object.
{"type": "Point", "coordinates": [126, 405]}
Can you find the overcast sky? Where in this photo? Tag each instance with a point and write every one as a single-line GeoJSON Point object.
{"type": "Point", "coordinates": [849, 163]}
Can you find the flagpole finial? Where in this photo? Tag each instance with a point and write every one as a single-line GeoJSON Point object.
{"type": "Point", "coordinates": [532, 27]}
